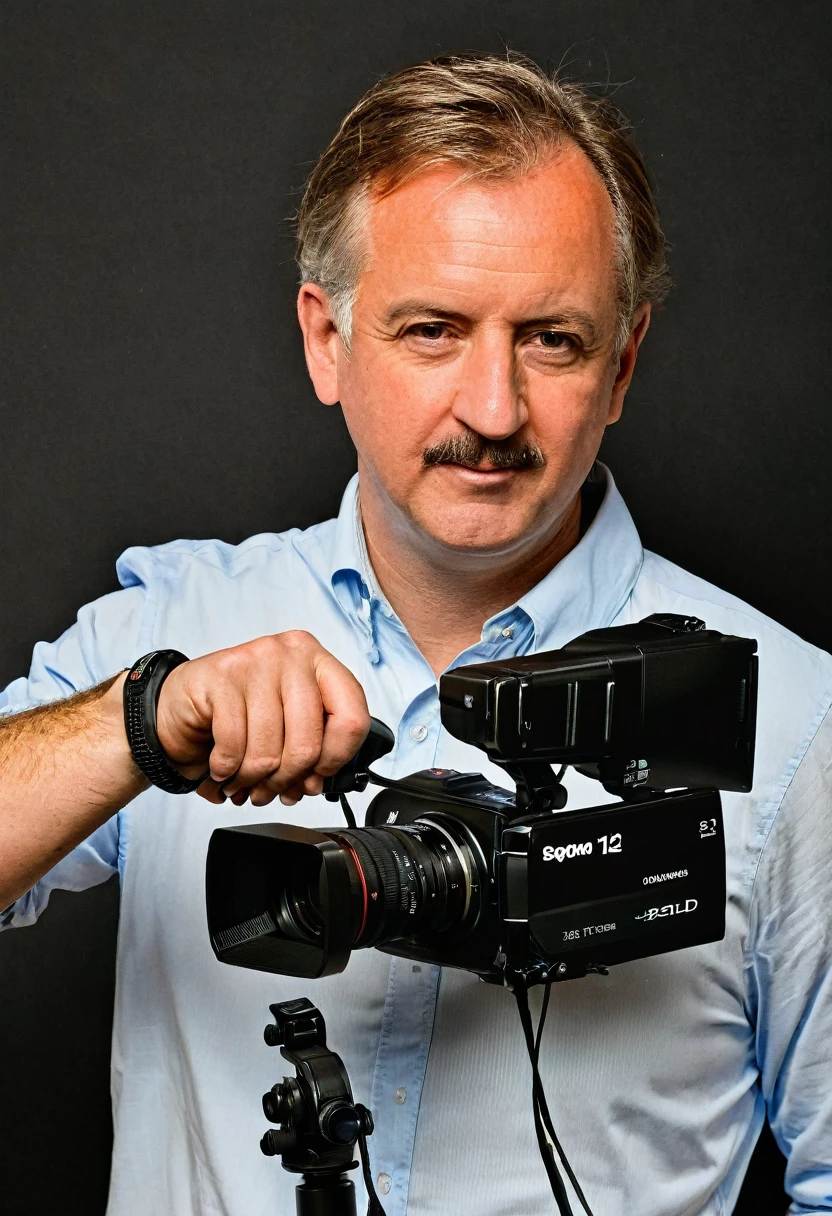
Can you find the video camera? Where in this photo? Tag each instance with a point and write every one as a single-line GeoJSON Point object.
{"type": "Point", "coordinates": [454, 870]}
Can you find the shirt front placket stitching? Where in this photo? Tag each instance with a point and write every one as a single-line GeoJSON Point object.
{"type": "Point", "coordinates": [401, 1061]}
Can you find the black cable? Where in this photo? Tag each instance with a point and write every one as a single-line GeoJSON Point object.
{"type": "Point", "coordinates": [374, 1207]}
{"type": "Point", "coordinates": [544, 1106]}
{"type": "Point", "coordinates": [387, 783]}
{"type": "Point", "coordinates": [544, 1009]}
{"type": "Point", "coordinates": [546, 1153]}
{"type": "Point", "coordinates": [347, 809]}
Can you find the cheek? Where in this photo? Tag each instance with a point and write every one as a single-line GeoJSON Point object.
{"type": "Point", "coordinates": [572, 414]}
{"type": "Point", "coordinates": [389, 408]}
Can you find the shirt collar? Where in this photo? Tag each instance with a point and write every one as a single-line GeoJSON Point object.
{"type": "Point", "coordinates": [353, 578]}
{"type": "Point", "coordinates": [585, 590]}
{"type": "Point", "coordinates": [352, 573]}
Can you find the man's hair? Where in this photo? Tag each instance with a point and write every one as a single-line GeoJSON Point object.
{"type": "Point", "coordinates": [496, 118]}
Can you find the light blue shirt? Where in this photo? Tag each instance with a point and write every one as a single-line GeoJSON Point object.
{"type": "Point", "coordinates": [658, 1076]}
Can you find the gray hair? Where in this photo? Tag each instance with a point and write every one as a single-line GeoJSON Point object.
{"type": "Point", "coordinates": [496, 118]}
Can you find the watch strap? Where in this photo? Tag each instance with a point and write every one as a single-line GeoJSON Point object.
{"type": "Point", "coordinates": [141, 697]}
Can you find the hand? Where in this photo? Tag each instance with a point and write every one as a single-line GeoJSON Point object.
{"type": "Point", "coordinates": [268, 719]}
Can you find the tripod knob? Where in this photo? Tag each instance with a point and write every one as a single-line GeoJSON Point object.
{"type": "Point", "coordinates": [275, 1142]}
{"type": "Point", "coordinates": [341, 1123]}
{"type": "Point", "coordinates": [275, 1105]}
{"type": "Point", "coordinates": [284, 1102]}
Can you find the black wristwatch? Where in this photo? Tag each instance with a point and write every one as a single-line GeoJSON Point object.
{"type": "Point", "coordinates": [141, 696]}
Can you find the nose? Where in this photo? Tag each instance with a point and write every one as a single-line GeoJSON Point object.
{"type": "Point", "coordinates": [490, 399]}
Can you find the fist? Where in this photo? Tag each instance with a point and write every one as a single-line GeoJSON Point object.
{"type": "Point", "coordinates": [267, 719]}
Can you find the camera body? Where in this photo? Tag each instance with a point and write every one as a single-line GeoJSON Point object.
{"type": "Point", "coordinates": [565, 893]}
{"type": "Point", "coordinates": [454, 870]}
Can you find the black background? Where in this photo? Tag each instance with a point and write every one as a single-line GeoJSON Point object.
{"type": "Point", "coordinates": [152, 383]}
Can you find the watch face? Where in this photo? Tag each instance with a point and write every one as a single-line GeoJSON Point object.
{"type": "Point", "coordinates": [138, 670]}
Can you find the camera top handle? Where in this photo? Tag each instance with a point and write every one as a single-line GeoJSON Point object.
{"type": "Point", "coordinates": [538, 786]}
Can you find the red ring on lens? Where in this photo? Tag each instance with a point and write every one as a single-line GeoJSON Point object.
{"type": "Point", "coordinates": [345, 844]}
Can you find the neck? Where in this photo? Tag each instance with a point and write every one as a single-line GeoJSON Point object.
{"type": "Point", "coordinates": [444, 609]}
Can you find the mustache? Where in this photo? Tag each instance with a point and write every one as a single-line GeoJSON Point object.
{"type": "Point", "coordinates": [472, 450]}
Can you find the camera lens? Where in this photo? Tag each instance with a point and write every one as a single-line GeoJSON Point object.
{"type": "Point", "coordinates": [417, 879]}
{"type": "Point", "coordinates": [298, 915]}
{"type": "Point", "coordinates": [422, 878]}
{"type": "Point", "coordinates": [294, 901]}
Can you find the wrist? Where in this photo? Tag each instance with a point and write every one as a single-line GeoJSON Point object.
{"type": "Point", "coordinates": [141, 690]}
{"type": "Point", "coordinates": [109, 712]}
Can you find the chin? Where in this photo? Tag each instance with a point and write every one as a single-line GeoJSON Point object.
{"type": "Point", "coordinates": [475, 531]}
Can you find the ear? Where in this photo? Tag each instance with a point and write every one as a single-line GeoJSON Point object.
{"type": "Point", "coordinates": [627, 362]}
{"type": "Point", "coordinates": [321, 341]}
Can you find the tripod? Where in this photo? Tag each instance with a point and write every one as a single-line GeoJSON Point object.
{"type": "Point", "coordinates": [319, 1123]}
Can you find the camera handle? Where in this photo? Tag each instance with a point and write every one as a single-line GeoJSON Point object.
{"type": "Point", "coordinates": [319, 1123]}
{"type": "Point", "coordinates": [538, 787]}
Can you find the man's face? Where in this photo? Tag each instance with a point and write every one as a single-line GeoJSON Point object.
{"type": "Point", "coordinates": [482, 373]}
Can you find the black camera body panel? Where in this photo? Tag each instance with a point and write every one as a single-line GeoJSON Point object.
{"type": "Point", "coordinates": [608, 885]}
{"type": "Point", "coordinates": [570, 891]}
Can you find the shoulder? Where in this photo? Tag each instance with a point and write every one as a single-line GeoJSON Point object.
{"type": "Point", "coordinates": [204, 595]}
{"type": "Point", "coordinates": [267, 555]}
{"type": "Point", "coordinates": [661, 581]}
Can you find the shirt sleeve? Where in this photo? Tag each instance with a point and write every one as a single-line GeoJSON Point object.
{"type": "Point", "coordinates": [789, 973]}
{"type": "Point", "coordinates": [105, 639]}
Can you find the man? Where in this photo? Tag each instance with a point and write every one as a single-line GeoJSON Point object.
{"type": "Point", "coordinates": [480, 253]}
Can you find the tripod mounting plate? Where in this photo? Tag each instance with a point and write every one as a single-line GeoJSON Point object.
{"type": "Point", "coordinates": [296, 1024]}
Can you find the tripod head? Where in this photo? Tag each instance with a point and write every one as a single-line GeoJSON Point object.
{"type": "Point", "coordinates": [319, 1123]}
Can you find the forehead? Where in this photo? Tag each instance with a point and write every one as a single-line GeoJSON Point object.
{"type": "Point", "coordinates": [546, 237]}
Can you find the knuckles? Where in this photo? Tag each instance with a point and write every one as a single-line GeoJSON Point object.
{"type": "Point", "coordinates": [297, 639]}
{"type": "Point", "coordinates": [223, 764]}
{"type": "Point", "coordinates": [279, 646]}
{"type": "Point", "coordinates": [273, 649]}
{"type": "Point", "coordinates": [263, 766]}
{"type": "Point", "coordinates": [301, 759]}
{"type": "Point", "coordinates": [354, 727]}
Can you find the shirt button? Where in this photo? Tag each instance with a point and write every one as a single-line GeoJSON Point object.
{"type": "Point", "coordinates": [400, 1096]}
{"type": "Point", "coordinates": [419, 733]}
{"type": "Point", "coordinates": [384, 1183]}
{"type": "Point", "coordinates": [507, 632]}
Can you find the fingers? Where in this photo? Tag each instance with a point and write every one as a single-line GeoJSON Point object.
{"type": "Point", "coordinates": [229, 728]}
{"type": "Point", "coordinates": [211, 792]}
{"type": "Point", "coordinates": [264, 747]}
{"type": "Point", "coordinates": [347, 716]}
{"type": "Point", "coordinates": [293, 795]}
{"type": "Point", "coordinates": [345, 721]}
{"type": "Point", "coordinates": [284, 715]}
{"type": "Point", "coordinates": [229, 732]}
{"type": "Point", "coordinates": [304, 730]}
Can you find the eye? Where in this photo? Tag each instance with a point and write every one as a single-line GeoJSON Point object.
{"type": "Point", "coordinates": [553, 339]}
{"type": "Point", "coordinates": [431, 330]}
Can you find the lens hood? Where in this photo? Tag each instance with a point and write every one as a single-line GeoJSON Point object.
{"type": "Point", "coordinates": [259, 880]}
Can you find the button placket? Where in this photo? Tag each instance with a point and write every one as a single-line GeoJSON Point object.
{"type": "Point", "coordinates": [407, 1026]}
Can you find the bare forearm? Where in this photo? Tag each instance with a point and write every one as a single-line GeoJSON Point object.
{"type": "Point", "coordinates": [268, 719]}
{"type": "Point", "coordinates": [65, 769]}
